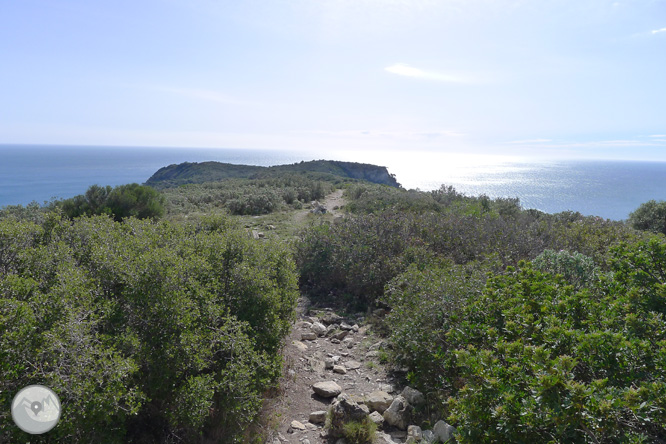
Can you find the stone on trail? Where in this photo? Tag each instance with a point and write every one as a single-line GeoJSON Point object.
{"type": "Point", "coordinates": [379, 401]}
{"type": "Point", "coordinates": [344, 410]}
{"type": "Point", "coordinates": [443, 431]}
{"type": "Point", "coordinates": [318, 328]}
{"type": "Point", "coordinates": [297, 425]}
{"type": "Point", "coordinates": [327, 389]}
{"type": "Point", "coordinates": [413, 396]}
{"type": "Point", "coordinates": [399, 413]}
{"type": "Point", "coordinates": [352, 365]}
{"type": "Point", "coordinates": [377, 418]}
{"type": "Point", "coordinates": [308, 336]}
{"type": "Point", "coordinates": [340, 369]}
{"type": "Point", "coordinates": [318, 417]}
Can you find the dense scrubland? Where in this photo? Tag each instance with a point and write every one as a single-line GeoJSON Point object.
{"type": "Point", "coordinates": [156, 317]}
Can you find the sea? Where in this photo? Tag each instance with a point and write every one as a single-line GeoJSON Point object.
{"type": "Point", "coordinates": [609, 189]}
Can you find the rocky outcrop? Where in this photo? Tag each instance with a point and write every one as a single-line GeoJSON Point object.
{"type": "Point", "coordinates": [327, 389]}
{"type": "Point", "coordinates": [344, 410]}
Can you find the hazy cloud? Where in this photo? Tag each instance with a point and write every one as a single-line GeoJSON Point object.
{"type": "Point", "coordinates": [531, 141]}
{"type": "Point", "coordinates": [402, 69]}
{"type": "Point", "coordinates": [657, 31]}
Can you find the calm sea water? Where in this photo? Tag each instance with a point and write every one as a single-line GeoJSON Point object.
{"type": "Point", "coordinates": [610, 189]}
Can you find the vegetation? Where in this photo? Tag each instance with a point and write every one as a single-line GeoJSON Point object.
{"type": "Point", "coordinates": [132, 200]}
{"type": "Point", "coordinates": [518, 325]}
{"type": "Point", "coordinates": [188, 173]}
{"type": "Point", "coordinates": [650, 216]}
{"type": "Point", "coordinates": [149, 332]}
{"type": "Point", "coordinates": [359, 432]}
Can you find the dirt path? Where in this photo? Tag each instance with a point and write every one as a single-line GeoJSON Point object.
{"type": "Point", "coordinates": [358, 351]}
{"type": "Point", "coordinates": [331, 202]}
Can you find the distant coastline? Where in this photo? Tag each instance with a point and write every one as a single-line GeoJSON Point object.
{"type": "Point", "coordinates": [609, 189]}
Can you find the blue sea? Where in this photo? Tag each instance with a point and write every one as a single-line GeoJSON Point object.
{"type": "Point", "coordinates": [609, 189]}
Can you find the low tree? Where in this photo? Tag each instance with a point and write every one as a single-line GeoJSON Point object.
{"type": "Point", "coordinates": [650, 216]}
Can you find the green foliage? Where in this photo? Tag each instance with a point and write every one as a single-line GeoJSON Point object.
{"type": "Point", "coordinates": [148, 332]}
{"type": "Point", "coordinates": [356, 432]}
{"type": "Point", "coordinates": [132, 200]}
{"type": "Point", "coordinates": [247, 196]}
{"type": "Point", "coordinates": [577, 269]}
{"type": "Point", "coordinates": [529, 357]}
{"type": "Point", "coordinates": [650, 216]}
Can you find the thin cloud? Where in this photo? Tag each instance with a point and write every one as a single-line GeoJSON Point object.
{"type": "Point", "coordinates": [657, 31]}
{"type": "Point", "coordinates": [402, 69]}
{"type": "Point", "coordinates": [518, 142]}
{"type": "Point", "coordinates": [203, 94]}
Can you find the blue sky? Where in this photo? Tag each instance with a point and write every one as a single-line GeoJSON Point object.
{"type": "Point", "coordinates": [553, 78]}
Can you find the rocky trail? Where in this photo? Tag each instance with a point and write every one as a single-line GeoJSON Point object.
{"type": "Point", "coordinates": [334, 368]}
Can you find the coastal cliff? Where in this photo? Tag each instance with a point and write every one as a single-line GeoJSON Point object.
{"type": "Point", "coordinates": [192, 172]}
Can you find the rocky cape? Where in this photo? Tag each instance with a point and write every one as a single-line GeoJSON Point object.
{"type": "Point", "coordinates": [201, 172]}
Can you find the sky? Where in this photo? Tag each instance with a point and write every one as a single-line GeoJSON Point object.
{"type": "Point", "coordinates": [545, 78]}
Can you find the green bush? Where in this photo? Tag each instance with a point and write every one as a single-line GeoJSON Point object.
{"type": "Point", "coordinates": [148, 332]}
{"type": "Point", "coordinates": [577, 269]}
{"type": "Point", "coordinates": [530, 358]}
{"type": "Point", "coordinates": [132, 200]}
{"type": "Point", "coordinates": [359, 432]}
{"type": "Point", "coordinates": [650, 216]}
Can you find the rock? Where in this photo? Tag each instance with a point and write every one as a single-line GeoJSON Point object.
{"type": "Point", "coordinates": [377, 418]}
{"type": "Point", "coordinates": [413, 396]}
{"type": "Point", "coordinates": [372, 354]}
{"type": "Point", "coordinates": [428, 437]}
{"type": "Point", "coordinates": [343, 411]}
{"type": "Point", "coordinates": [399, 413]}
{"type": "Point", "coordinates": [331, 329]}
{"type": "Point", "coordinates": [349, 342]}
{"type": "Point", "coordinates": [327, 389]}
{"type": "Point", "coordinates": [308, 336]}
{"type": "Point", "coordinates": [341, 334]}
{"type": "Point", "coordinates": [443, 431]}
{"type": "Point", "coordinates": [383, 438]}
{"type": "Point", "coordinates": [305, 324]}
{"type": "Point", "coordinates": [297, 425]}
{"type": "Point", "coordinates": [299, 345]}
{"type": "Point", "coordinates": [340, 369]}
{"type": "Point", "coordinates": [388, 388]}
{"type": "Point", "coordinates": [306, 441]}
{"type": "Point", "coordinates": [335, 341]}
{"type": "Point", "coordinates": [377, 345]}
{"type": "Point", "coordinates": [352, 365]}
{"type": "Point", "coordinates": [415, 432]}
{"type": "Point", "coordinates": [355, 328]}
{"type": "Point", "coordinates": [331, 318]}
{"type": "Point", "coordinates": [379, 401]}
{"type": "Point", "coordinates": [341, 441]}
{"type": "Point", "coordinates": [328, 363]}
{"type": "Point", "coordinates": [318, 417]}
{"type": "Point", "coordinates": [345, 326]}
{"type": "Point", "coordinates": [318, 328]}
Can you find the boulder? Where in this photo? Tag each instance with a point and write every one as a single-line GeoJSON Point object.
{"type": "Point", "coordinates": [340, 369]}
{"type": "Point", "coordinates": [443, 431]}
{"type": "Point", "coordinates": [399, 413]}
{"type": "Point", "coordinates": [318, 417]}
{"type": "Point", "coordinates": [379, 401]}
{"type": "Point", "coordinates": [413, 396]}
{"type": "Point", "coordinates": [341, 334]}
{"type": "Point", "coordinates": [318, 328]}
{"type": "Point", "coordinates": [327, 389]}
{"type": "Point", "coordinates": [328, 363]}
{"type": "Point", "coordinates": [377, 418]}
{"type": "Point", "coordinates": [428, 437]}
{"type": "Point", "coordinates": [383, 438]}
{"type": "Point", "coordinates": [308, 336]}
{"type": "Point", "coordinates": [331, 318]}
{"type": "Point", "coordinates": [344, 410]}
{"type": "Point", "coordinates": [297, 425]}
{"type": "Point", "coordinates": [415, 432]}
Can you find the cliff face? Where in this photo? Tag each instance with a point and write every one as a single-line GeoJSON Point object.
{"type": "Point", "coordinates": [184, 173]}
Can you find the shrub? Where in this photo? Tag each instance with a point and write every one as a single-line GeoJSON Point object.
{"type": "Point", "coordinates": [132, 200]}
{"type": "Point", "coordinates": [148, 332]}
{"type": "Point", "coordinates": [650, 216]}
{"type": "Point", "coordinates": [359, 432]}
{"type": "Point", "coordinates": [577, 269]}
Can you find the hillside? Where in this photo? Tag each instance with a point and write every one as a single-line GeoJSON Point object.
{"type": "Point", "coordinates": [188, 172]}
